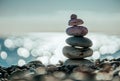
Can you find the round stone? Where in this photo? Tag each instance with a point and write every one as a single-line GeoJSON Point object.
{"type": "Point", "coordinates": [79, 62]}
{"type": "Point", "coordinates": [75, 22]}
{"type": "Point", "coordinates": [83, 65]}
{"type": "Point", "coordinates": [73, 16]}
{"type": "Point", "coordinates": [77, 53]}
{"type": "Point", "coordinates": [79, 41]}
{"type": "Point", "coordinates": [77, 31]}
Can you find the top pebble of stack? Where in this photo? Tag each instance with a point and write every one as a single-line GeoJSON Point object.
{"type": "Point", "coordinates": [76, 30]}
{"type": "Point", "coordinates": [73, 16]}
{"type": "Point", "coordinates": [74, 21]}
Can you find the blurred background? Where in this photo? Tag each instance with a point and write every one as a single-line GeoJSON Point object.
{"type": "Point", "coordinates": [52, 16]}
{"type": "Point", "coordinates": [35, 29]}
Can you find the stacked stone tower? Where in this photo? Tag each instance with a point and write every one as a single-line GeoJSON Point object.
{"type": "Point", "coordinates": [78, 45]}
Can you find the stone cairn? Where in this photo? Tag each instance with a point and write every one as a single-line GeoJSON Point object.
{"type": "Point", "coordinates": [79, 45]}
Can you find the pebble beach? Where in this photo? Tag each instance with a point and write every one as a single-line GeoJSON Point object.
{"type": "Point", "coordinates": [59, 40]}
{"type": "Point", "coordinates": [81, 58]}
{"type": "Point", "coordinates": [103, 70]}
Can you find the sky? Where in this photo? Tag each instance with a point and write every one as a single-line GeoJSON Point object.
{"type": "Point", "coordinates": [53, 15]}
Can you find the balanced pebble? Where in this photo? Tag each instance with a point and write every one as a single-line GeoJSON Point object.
{"type": "Point", "coordinates": [79, 41]}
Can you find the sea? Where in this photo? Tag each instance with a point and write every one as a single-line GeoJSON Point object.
{"type": "Point", "coordinates": [19, 49]}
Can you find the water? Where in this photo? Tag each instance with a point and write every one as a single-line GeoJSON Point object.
{"type": "Point", "coordinates": [47, 47]}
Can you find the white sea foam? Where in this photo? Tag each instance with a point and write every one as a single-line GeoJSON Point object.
{"type": "Point", "coordinates": [96, 55]}
{"type": "Point", "coordinates": [44, 59]}
{"type": "Point", "coordinates": [9, 43]}
{"type": "Point", "coordinates": [23, 52]}
{"type": "Point", "coordinates": [105, 44]}
{"type": "Point", "coordinates": [3, 55]}
{"type": "Point", "coordinates": [21, 62]}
